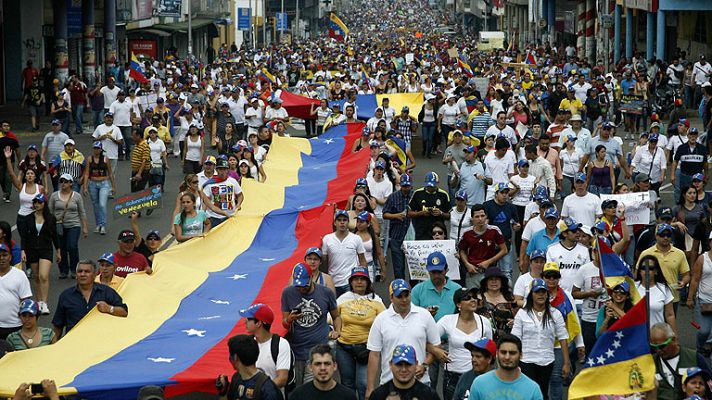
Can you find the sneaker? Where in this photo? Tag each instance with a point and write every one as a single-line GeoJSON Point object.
{"type": "Point", "coordinates": [62, 276]}
{"type": "Point", "coordinates": [7, 198]}
{"type": "Point", "coordinates": [102, 231]}
{"type": "Point", "coordinates": [149, 211]}
{"type": "Point", "coordinates": [44, 309]}
{"type": "Point", "coordinates": [97, 229]}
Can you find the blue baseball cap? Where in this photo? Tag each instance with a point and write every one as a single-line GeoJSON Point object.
{"type": "Point", "coordinates": [398, 286]}
{"type": "Point", "coordinates": [404, 353]}
{"type": "Point", "coordinates": [405, 180]}
{"type": "Point", "coordinates": [540, 193]}
{"type": "Point", "coordinates": [300, 275]}
{"type": "Point", "coordinates": [56, 122]}
{"type": "Point", "coordinates": [538, 284]}
{"type": "Point", "coordinates": [373, 144]}
{"type": "Point", "coordinates": [551, 213]}
{"type": "Point", "coordinates": [653, 137]}
{"type": "Point", "coordinates": [693, 131]}
{"type": "Point", "coordinates": [580, 177]}
{"type": "Point", "coordinates": [698, 177]}
{"type": "Point", "coordinates": [571, 138]}
{"type": "Point", "coordinates": [108, 257]}
{"type": "Point", "coordinates": [436, 262]}
{"type": "Point", "coordinates": [97, 145]}
{"type": "Point", "coordinates": [600, 226]}
{"type": "Point", "coordinates": [364, 216]}
{"type": "Point", "coordinates": [260, 312]}
{"type": "Point", "coordinates": [431, 179]}
{"type": "Point", "coordinates": [32, 147]}
{"type": "Point", "coordinates": [39, 198]}
{"type": "Point", "coordinates": [360, 271]}
{"type": "Point", "coordinates": [469, 149]}
{"type": "Point", "coordinates": [29, 306]}
{"type": "Point", "coordinates": [501, 186]}
{"type": "Point", "coordinates": [623, 285]}
{"type": "Point", "coordinates": [3, 247]}
{"type": "Point", "coordinates": [569, 224]}
{"type": "Point", "coordinates": [380, 164]}
{"type": "Point", "coordinates": [608, 125]}
{"type": "Point", "coordinates": [361, 182]}
{"type": "Point", "coordinates": [341, 213]}
{"type": "Point", "coordinates": [109, 114]}
{"type": "Point", "coordinates": [313, 250]}
{"type": "Point", "coordinates": [538, 253]}
{"type": "Point", "coordinates": [461, 194]}
{"type": "Point", "coordinates": [695, 371]}
{"type": "Point", "coordinates": [662, 228]}
{"type": "Point", "coordinates": [523, 163]}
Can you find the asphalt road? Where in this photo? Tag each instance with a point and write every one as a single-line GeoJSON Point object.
{"type": "Point", "coordinates": [93, 246]}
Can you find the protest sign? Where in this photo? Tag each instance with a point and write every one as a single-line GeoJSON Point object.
{"type": "Point", "coordinates": [631, 104]}
{"type": "Point", "coordinates": [146, 199]}
{"type": "Point", "coordinates": [416, 254]}
{"type": "Point", "coordinates": [409, 57]}
{"type": "Point", "coordinates": [637, 210]}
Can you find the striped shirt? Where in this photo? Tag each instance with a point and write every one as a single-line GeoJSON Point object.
{"type": "Point", "coordinates": [73, 165]}
{"type": "Point", "coordinates": [396, 203]}
{"type": "Point", "coordinates": [403, 126]}
{"type": "Point", "coordinates": [140, 153]}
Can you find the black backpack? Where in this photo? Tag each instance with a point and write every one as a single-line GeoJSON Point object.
{"type": "Point", "coordinates": [274, 347]}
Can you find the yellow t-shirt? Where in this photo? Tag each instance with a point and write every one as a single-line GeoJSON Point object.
{"type": "Point", "coordinates": [163, 133]}
{"type": "Point", "coordinates": [574, 105]}
{"type": "Point", "coordinates": [672, 263]}
{"type": "Point", "coordinates": [357, 316]}
{"type": "Point", "coordinates": [115, 281]}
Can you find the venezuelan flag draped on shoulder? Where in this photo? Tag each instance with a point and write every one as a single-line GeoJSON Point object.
{"type": "Point", "coordinates": [136, 71]}
{"type": "Point", "coordinates": [337, 29]}
{"type": "Point", "coordinates": [562, 303]}
{"type": "Point", "coordinates": [614, 270]}
{"type": "Point", "coordinates": [620, 362]}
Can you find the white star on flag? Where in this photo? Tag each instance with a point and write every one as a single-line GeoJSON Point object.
{"type": "Point", "coordinates": [210, 317]}
{"type": "Point", "coordinates": [616, 343]}
{"type": "Point", "coordinates": [194, 332]}
{"type": "Point", "coordinates": [220, 301]}
{"type": "Point", "coordinates": [619, 335]}
{"type": "Point", "coordinates": [328, 141]}
{"type": "Point", "coordinates": [591, 362]}
{"type": "Point", "coordinates": [601, 360]}
{"type": "Point", "coordinates": [161, 359]}
{"type": "Point", "coordinates": [266, 259]}
{"type": "Point", "coordinates": [238, 277]}
{"type": "Point", "coordinates": [609, 353]}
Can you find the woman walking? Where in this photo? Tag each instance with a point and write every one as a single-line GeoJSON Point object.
{"type": "Point", "coordinates": [99, 184]}
{"type": "Point", "coordinates": [191, 222]}
{"type": "Point", "coordinates": [195, 151]}
{"type": "Point", "coordinates": [68, 208]}
{"type": "Point", "coordinates": [27, 190]}
{"type": "Point", "coordinates": [600, 174]}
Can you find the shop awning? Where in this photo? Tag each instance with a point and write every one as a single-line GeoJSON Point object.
{"type": "Point", "coordinates": [197, 23]}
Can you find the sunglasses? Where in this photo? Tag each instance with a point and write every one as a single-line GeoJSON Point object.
{"type": "Point", "coordinates": [438, 233]}
{"type": "Point", "coordinates": [660, 346]}
{"type": "Point", "coordinates": [551, 276]}
{"type": "Point", "coordinates": [665, 235]}
{"type": "Point", "coordinates": [64, 181]}
{"type": "Point", "coordinates": [620, 291]}
{"type": "Point", "coordinates": [468, 297]}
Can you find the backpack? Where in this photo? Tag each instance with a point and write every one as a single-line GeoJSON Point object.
{"type": "Point", "coordinates": [274, 347]}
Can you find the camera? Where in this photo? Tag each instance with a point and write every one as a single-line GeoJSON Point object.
{"type": "Point", "coordinates": [36, 388]}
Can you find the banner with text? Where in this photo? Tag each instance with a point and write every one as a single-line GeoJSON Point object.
{"type": "Point", "coordinates": [146, 199]}
{"type": "Point", "coordinates": [637, 206]}
{"type": "Point", "coordinates": [416, 255]}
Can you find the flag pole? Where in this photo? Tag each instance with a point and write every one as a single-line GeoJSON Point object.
{"type": "Point", "coordinates": [647, 298]}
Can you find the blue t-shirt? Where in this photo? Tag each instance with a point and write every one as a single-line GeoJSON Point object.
{"type": "Point", "coordinates": [424, 295]}
{"type": "Point", "coordinates": [311, 328]}
{"type": "Point", "coordinates": [489, 387]}
{"type": "Point", "coordinates": [540, 241]}
{"type": "Point", "coordinates": [501, 215]}
{"type": "Point", "coordinates": [192, 226]}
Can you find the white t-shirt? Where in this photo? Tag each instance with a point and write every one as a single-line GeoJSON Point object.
{"type": "Point", "coordinates": [122, 112]}
{"type": "Point", "coordinates": [660, 295]}
{"type": "Point", "coordinates": [460, 357]}
{"type": "Point", "coordinates": [569, 260]}
{"type": "Point", "coordinates": [223, 195]}
{"type": "Point", "coordinates": [582, 208]}
{"type": "Point", "coordinates": [272, 113]}
{"type": "Point", "coordinates": [524, 194]}
{"type": "Point", "coordinates": [343, 256]}
{"type": "Point", "coordinates": [523, 285]}
{"type": "Point", "coordinates": [265, 362]}
{"type": "Point", "coordinates": [588, 278]}
{"type": "Point", "coordinates": [389, 330]}
{"type": "Point", "coordinates": [109, 94]}
{"type": "Point", "coordinates": [157, 148]}
{"type": "Point", "coordinates": [379, 190]}
{"type": "Point", "coordinates": [507, 132]}
{"type": "Point", "coordinates": [499, 169]}
{"type": "Point", "coordinates": [111, 148]}
{"type": "Point", "coordinates": [458, 223]}
{"type": "Point", "coordinates": [449, 114]}
{"type": "Point", "coordinates": [202, 178]}
{"type": "Point", "coordinates": [14, 287]}
{"type": "Point", "coordinates": [256, 113]}
{"type": "Point", "coordinates": [533, 226]}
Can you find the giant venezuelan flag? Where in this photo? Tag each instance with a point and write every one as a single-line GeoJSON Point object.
{"type": "Point", "coordinates": [181, 317]}
{"type": "Point", "coordinates": [620, 362]}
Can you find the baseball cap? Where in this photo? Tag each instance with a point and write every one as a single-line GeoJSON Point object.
{"type": "Point", "coordinates": [3, 247]}
{"type": "Point", "coordinates": [154, 234]}
{"type": "Point", "coordinates": [260, 312]}
{"type": "Point", "coordinates": [39, 198]}
{"type": "Point", "coordinates": [551, 267]}
{"type": "Point", "coordinates": [365, 131]}
{"type": "Point", "coordinates": [696, 177]}
{"type": "Point", "coordinates": [643, 177]}
{"type": "Point", "coordinates": [341, 213]}
{"type": "Point", "coordinates": [405, 180]}
{"type": "Point", "coordinates": [66, 177]}
{"type": "Point", "coordinates": [662, 228]}
{"type": "Point", "coordinates": [222, 163]}
{"type": "Point", "coordinates": [469, 149]}
{"type": "Point", "coordinates": [404, 353]}
{"type": "Point", "coordinates": [97, 145]}
{"type": "Point", "coordinates": [313, 250]}
{"type": "Point", "coordinates": [108, 257]}
{"type": "Point", "coordinates": [210, 160]}
{"type": "Point", "coordinates": [538, 284]}
{"type": "Point", "coordinates": [693, 372]}
{"type": "Point", "coordinates": [109, 114]}
{"type": "Point", "coordinates": [653, 137]}
{"type": "Point", "coordinates": [364, 216]}
{"type": "Point", "coordinates": [601, 226]}
{"type": "Point", "coordinates": [300, 275]}
{"type": "Point", "coordinates": [485, 344]}
{"type": "Point", "coordinates": [609, 203]}
{"type": "Point", "coordinates": [436, 262]}
{"type": "Point", "coordinates": [56, 122]}
{"type": "Point", "coordinates": [664, 213]}
{"type": "Point", "coordinates": [569, 224]}
{"type": "Point", "coordinates": [380, 164]}
{"type": "Point", "coordinates": [551, 213]}
{"type": "Point", "coordinates": [127, 235]}
{"type": "Point", "coordinates": [685, 121]}
{"type": "Point", "coordinates": [571, 138]}
{"type": "Point", "coordinates": [29, 306]}
{"type": "Point", "coordinates": [361, 182]}
{"type": "Point", "coordinates": [398, 286]}
{"type": "Point", "coordinates": [608, 125]}
{"type": "Point", "coordinates": [374, 145]}
{"type": "Point", "coordinates": [540, 193]}
{"type": "Point", "coordinates": [580, 177]}
{"type": "Point", "coordinates": [501, 186]}
{"type": "Point", "coordinates": [461, 195]}
{"type": "Point", "coordinates": [457, 132]}
{"type": "Point", "coordinates": [405, 109]}
{"type": "Point", "coordinates": [693, 131]}
{"type": "Point", "coordinates": [575, 117]}
{"type": "Point", "coordinates": [623, 285]}
{"type": "Point", "coordinates": [523, 163]}
{"type": "Point", "coordinates": [431, 179]}
{"type": "Point", "coordinates": [69, 141]}
{"type": "Point", "coordinates": [360, 271]}
{"type": "Point", "coordinates": [538, 253]}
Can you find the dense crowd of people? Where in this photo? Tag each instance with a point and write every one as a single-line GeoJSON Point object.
{"type": "Point", "coordinates": [533, 156]}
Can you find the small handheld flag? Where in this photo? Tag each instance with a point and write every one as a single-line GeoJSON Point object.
{"type": "Point", "coordinates": [337, 29]}
{"type": "Point", "coordinates": [136, 71]}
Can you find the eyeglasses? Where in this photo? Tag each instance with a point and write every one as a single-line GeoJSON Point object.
{"type": "Point", "coordinates": [438, 233]}
{"type": "Point", "coordinates": [551, 276]}
{"type": "Point", "coordinates": [64, 181]}
{"type": "Point", "coordinates": [467, 297]}
{"type": "Point", "coordinates": [665, 235]}
{"type": "Point", "coordinates": [660, 346]}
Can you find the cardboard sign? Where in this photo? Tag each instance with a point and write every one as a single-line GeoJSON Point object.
{"type": "Point", "coordinates": [631, 104]}
{"type": "Point", "coordinates": [637, 210]}
{"type": "Point", "coordinates": [453, 53]}
{"type": "Point", "coordinates": [409, 57]}
{"type": "Point", "coordinates": [146, 199]}
{"type": "Point", "coordinates": [416, 254]}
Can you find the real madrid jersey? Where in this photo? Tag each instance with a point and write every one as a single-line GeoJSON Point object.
{"type": "Point", "coordinates": [569, 260]}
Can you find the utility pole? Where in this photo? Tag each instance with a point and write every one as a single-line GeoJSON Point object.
{"type": "Point", "coordinates": [264, 23]}
{"type": "Point", "coordinates": [296, 22]}
{"type": "Point", "coordinates": [190, 31]}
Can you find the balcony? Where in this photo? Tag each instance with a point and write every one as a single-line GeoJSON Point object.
{"type": "Point", "coordinates": [210, 8]}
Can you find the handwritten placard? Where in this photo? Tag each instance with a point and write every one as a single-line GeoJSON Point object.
{"type": "Point", "coordinates": [146, 199]}
{"type": "Point", "coordinates": [416, 254]}
{"type": "Point", "coordinates": [637, 209]}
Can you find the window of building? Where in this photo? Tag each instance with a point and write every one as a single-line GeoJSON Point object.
{"type": "Point", "coordinates": [700, 30]}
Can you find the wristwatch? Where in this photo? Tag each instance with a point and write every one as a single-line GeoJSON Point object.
{"type": "Point", "coordinates": [111, 310]}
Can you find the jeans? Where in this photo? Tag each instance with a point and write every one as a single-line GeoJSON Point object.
{"type": "Point", "coordinates": [78, 115]}
{"type": "Point", "coordinates": [567, 185]}
{"type": "Point", "coordinates": [156, 179]}
{"type": "Point", "coordinates": [588, 332]}
{"type": "Point", "coordinates": [397, 258]}
{"type": "Point", "coordinates": [69, 246]}
{"type": "Point", "coordinates": [450, 380]}
{"type": "Point", "coordinates": [5, 181]}
{"type": "Point", "coordinates": [451, 191]}
{"type": "Point", "coordinates": [704, 333]}
{"type": "Point", "coordinates": [98, 117]}
{"type": "Point", "coordinates": [126, 133]}
{"type": "Point", "coordinates": [99, 192]}
{"type": "Point", "coordinates": [428, 132]}
{"type": "Point", "coordinates": [556, 383]}
{"type": "Point", "coordinates": [216, 221]}
{"type": "Point", "coordinates": [353, 375]}
{"type": "Point", "coordinates": [506, 262]}
{"type": "Point", "coordinates": [677, 185]}
{"type": "Point", "coordinates": [689, 96]}
{"type": "Point", "coordinates": [684, 180]}
{"type": "Point", "coordinates": [599, 190]}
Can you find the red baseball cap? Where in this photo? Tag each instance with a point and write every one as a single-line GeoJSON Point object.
{"type": "Point", "coordinates": [483, 344]}
{"type": "Point", "coordinates": [260, 312]}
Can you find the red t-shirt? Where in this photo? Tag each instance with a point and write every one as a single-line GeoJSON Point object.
{"type": "Point", "coordinates": [481, 247]}
{"type": "Point", "coordinates": [131, 263]}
